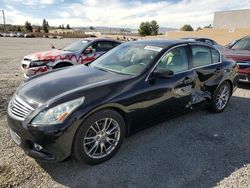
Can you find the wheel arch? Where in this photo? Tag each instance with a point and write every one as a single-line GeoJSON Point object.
{"type": "Point", "coordinates": [230, 83]}
{"type": "Point", "coordinates": [97, 109]}
{"type": "Point", "coordinates": [62, 62]}
{"type": "Point", "coordinates": [116, 107]}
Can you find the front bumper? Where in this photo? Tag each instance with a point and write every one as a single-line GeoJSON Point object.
{"type": "Point", "coordinates": [32, 71]}
{"type": "Point", "coordinates": [51, 143]}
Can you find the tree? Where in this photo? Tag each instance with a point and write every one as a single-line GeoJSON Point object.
{"type": "Point", "coordinates": [45, 26]}
{"type": "Point", "coordinates": [154, 27]}
{"type": "Point", "coordinates": [39, 29]}
{"type": "Point", "coordinates": [67, 27]}
{"type": "Point", "coordinates": [28, 26]}
{"type": "Point", "coordinates": [145, 29]}
{"type": "Point", "coordinates": [148, 28]}
{"type": "Point", "coordinates": [198, 29]}
{"type": "Point", "coordinates": [187, 28]}
{"type": "Point", "coordinates": [91, 28]}
{"type": "Point", "coordinates": [62, 26]}
{"type": "Point", "coordinates": [19, 28]}
{"type": "Point", "coordinates": [14, 28]}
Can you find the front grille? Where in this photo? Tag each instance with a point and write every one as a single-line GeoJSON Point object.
{"type": "Point", "coordinates": [19, 109]}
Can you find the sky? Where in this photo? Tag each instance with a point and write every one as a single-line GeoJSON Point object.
{"type": "Point", "coordinates": [117, 13]}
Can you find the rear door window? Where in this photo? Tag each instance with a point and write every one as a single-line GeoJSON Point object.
{"type": "Point", "coordinates": [201, 56]}
{"type": "Point", "coordinates": [215, 56]}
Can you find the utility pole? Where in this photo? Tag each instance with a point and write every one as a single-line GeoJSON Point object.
{"type": "Point", "coordinates": [4, 24]}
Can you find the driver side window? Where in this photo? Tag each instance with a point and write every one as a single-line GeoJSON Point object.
{"type": "Point", "coordinates": [102, 46]}
{"type": "Point", "coordinates": [175, 60]}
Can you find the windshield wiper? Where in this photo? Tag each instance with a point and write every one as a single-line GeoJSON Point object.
{"type": "Point", "coordinates": [110, 70]}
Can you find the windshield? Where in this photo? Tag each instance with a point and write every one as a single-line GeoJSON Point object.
{"type": "Point", "coordinates": [77, 46]}
{"type": "Point", "coordinates": [130, 59]}
{"type": "Point", "coordinates": [243, 44]}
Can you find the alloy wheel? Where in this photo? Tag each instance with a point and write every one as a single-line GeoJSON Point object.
{"type": "Point", "coordinates": [101, 138]}
{"type": "Point", "coordinates": [222, 97]}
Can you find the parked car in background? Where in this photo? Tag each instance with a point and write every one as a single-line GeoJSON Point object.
{"type": "Point", "coordinates": [239, 51]}
{"type": "Point", "coordinates": [202, 39]}
{"type": "Point", "coordinates": [79, 52]}
{"type": "Point", "coordinates": [86, 111]}
{"type": "Point", "coordinates": [6, 34]}
{"type": "Point", "coordinates": [19, 34]}
{"type": "Point", "coordinates": [13, 34]}
{"type": "Point", "coordinates": [29, 35]}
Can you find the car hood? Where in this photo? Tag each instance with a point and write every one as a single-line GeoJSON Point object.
{"type": "Point", "coordinates": [237, 55]}
{"type": "Point", "coordinates": [46, 55]}
{"type": "Point", "coordinates": [55, 85]}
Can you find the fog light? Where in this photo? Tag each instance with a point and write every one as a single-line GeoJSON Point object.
{"type": "Point", "coordinates": [38, 147]}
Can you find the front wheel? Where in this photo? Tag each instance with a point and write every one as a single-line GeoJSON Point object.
{"type": "Point", "coordinates": [99, 137]}
{"type": "Point", "coordinates": [221, 97]}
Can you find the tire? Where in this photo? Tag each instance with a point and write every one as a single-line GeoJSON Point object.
{"type": "Point", "coordinates": [61, 65]}
{"type": "Point", "coordinates": [221, 97]}
{"type": "Point", "coordinates": [93, 145]}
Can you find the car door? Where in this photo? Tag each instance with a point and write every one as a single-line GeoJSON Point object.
{"type": "Point", "coordinates": [163, 97]}
{"type": "Point", "coordinates": [208, 71]}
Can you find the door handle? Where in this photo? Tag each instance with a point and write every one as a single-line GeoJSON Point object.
{"type": "Point", "coordinates": [217, 70]}
{"type": "Point", "coordinates": [187, 80]}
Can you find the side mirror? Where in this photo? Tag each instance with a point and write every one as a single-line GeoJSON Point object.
{"type": "Point", "coordinates": [163, 73]}
{"type": "Point", "coordinates": [88, 51]}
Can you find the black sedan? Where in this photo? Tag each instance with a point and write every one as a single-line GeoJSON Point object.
{"type": "Point", "coordinates": [87, 111]}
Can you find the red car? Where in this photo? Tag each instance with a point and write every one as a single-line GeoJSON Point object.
{"type": "Point", "coordinates": [239, 51]}
{"type": "Point", "coordinates": [79, 52]}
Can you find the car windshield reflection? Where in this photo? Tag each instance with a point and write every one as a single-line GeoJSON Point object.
{"type": "Point", "coordinates": [127, 59]}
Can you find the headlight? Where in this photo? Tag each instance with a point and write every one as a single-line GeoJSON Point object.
{"type": "Point", "coordinates": [39, 63]}
{"type": "Point", "coordinates": [58, 113]}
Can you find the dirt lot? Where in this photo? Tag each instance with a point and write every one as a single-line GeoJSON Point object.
{"type": "Point", "coordinates": [199, 149]}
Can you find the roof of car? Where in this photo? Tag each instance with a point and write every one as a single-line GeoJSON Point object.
{"type": "Point", "coordinates": [196, 38]}
{"type": "Point", "coordinates": [163, 42]}
{"type": "Point", "coordinates": [98, 39]}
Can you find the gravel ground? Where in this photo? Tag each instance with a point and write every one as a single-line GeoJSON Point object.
{"type": "Point", "coordinates": [199, 149]}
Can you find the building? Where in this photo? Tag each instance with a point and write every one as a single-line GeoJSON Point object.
{"type": "Point", "coordinates": [234, 19]}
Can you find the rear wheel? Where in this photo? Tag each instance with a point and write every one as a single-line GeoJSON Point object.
{"type": "Point", "coordinates": [99, 137]}
{"type": "Point", "coordinates": [221, 97]}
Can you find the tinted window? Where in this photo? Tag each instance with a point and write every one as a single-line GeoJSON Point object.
{"type": "Point", "coordinates": [215, 56]}
{"type": "Point", "coordinates": [175, 60]}
{"type": "Point", "coordinates": [104, 46]}
{"type": "Point", "coordinates": [209, 41]}
{"type": "Point", "coordinates": [76, 46]}
{"type": "Point", "coordinates": [201, 56]}
{"type": "Point", "coordinates": [243, 44]}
